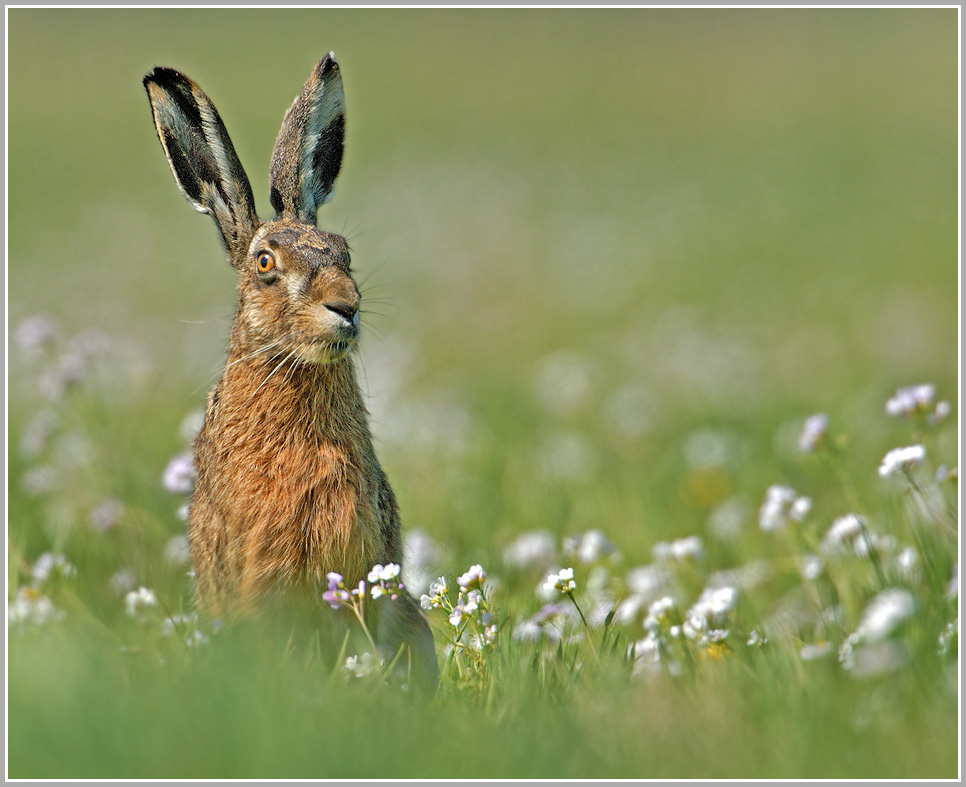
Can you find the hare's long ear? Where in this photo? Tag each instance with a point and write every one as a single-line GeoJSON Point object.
{"type": "Point", "coordinates": [308, 150]}
{"type": "Point", "coordinates": [201, 155]}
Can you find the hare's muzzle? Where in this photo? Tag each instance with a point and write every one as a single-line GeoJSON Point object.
{"type": "Point", "coordinates": [348, 314]}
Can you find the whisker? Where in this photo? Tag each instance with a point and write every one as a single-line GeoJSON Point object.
{"type": "Point", "coordinates": [272, 373]}
{"type": "Point", "coordinates": [267, 347]}
{"type": "Point", "coordinates": [374, 271]}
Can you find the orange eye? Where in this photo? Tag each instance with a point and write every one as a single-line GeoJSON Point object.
{"type": "Point", "coordinates": [265, 262]}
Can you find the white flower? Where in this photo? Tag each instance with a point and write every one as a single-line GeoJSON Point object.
{"type": "Point", "coordinates": [382, 573]}
{"type": "Point", "coordinates": [681, 550]}
{"type": "Point", "coordinates": [472, 578]}
{"type": "Point", "coordinates": [178, 551]}
{"type": "Point", "coordinates": [533, 547]}
{"type": "Point", "coordinates": [810, 567]}
{"type": "Point", "coordinates": [726, 519]}
{"type": "Point", "coordinates": [589, 547]}
{"type": "Point", "coordinates": [813, 432]}
{"type": "Point", "coordinates": [30, 608]}
{"type": "Point", "coordinates": [136, 599]}
{"type": "Point", "coordinates": [942, 411]}
{"type": "Point", "coordinates": [884, 614]}
{"type": "Point", "coordinates": [647, 581]}
{"type": "Point", "coordinates": [527, 631]}
{"type": "Point", "coordinates": [562, 581]}
{"type": "Point", "coordinates": [421, 554]}
{"type": "Point", "coordinates": [647, 655]}
{"type": "Point", "coordinates": [49, 563]}
{"type": "Point", "coordinates": [122, 581]}
{"type": "Point", "coordinates": [694, 627]}
{"type": "Point", "coordinates": [843, 530]}
{"type": "Point", "coordinates": [946, 637]}
{"type": "Point", "coordinates": [378, 590]}
{"type": "Point", "coordinates": [874, 659]}
{"type": "Point", "coordinates": [908, 565]}
{"type": "Point", "coordinates": [36, 333]}
{"type": "Point", "coordinates": [488, 638]}
{"type": "Point", "coordinates": [106, 515]}
{"type": "Point", "coordinates": [714, 603]}
{"type": "Point", "coordinates": [360, 666]}
{"type": "Point", "coordinates": [756, 640]}
{"type": "Point", "coordinates": [869, 542]}
{"type": "Point", "coordinates": [911, 400]}
{"type": "Point", "coordinates": [170, 625]}
{"type": "Point", "coordinates": [901, 459]}
{"type": "Point", "coordinates": [815, 651]}
{"type": "Point", "coordinates": [800, 508]}
{"type": "Point", "coordinates": [658, 613]}
{"type": "Point", "coordinates": [782, 505]}
{"type": "Point", "coordinates": [472, 601]}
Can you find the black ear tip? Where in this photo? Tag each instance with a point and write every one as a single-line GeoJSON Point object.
{"type": "Point", "coordinates": [327, 65]}
{"type": "Point", "coordinates": [164, 76]}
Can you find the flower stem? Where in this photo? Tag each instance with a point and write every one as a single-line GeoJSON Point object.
{"type": "Point", "coordinates": [590, 637]}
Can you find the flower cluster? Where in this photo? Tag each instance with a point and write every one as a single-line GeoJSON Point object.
{"type": "Point", "coordinates": [917, 400]}
{"type": "Point", "coordinates": [681, 550]}
{"type": "Point", "coordinates": [383, 581]}
{"type": "Point", "coordinates": [590, 547]}
{"type": "Point", "coordinates": [869, 651]}
{"type": "Point", "coordinates": [852, 534]}
{"type": "Point", "coordinates": [814, 433]}
{"type": "Point", "coordinates": [470, 614]}
{"type": "Point", "coordinates": [138, 600]}
{"type": "Point", "coordinates": [49, 565]}
{"type": "Point", "coordinates": [782, 506]}
{"type": "Point", "coordinates": [902, 460]}
{"type": "Point", "coordinates": [562, 581]}
{"type": "Point", "coordinates": [187, 627]}
{"type": "Point", "coordinates": [545, 624]}
{"type": "Point", "coordinates": [361, 666]}
{"type": "Point", "coordinates": [31, 609]}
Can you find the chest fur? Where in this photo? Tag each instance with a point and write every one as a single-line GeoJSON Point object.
{"type": "Point", "coordinates": [287, 492]}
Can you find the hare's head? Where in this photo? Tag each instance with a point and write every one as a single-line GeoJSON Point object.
{"type": "Point", "coordinates": [297, 296]}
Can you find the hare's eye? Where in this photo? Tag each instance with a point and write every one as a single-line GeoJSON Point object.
{"type": "Point", "coordinates": [265, 262]}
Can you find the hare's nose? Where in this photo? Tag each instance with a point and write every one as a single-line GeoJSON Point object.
{"type": "Point", "coordinates": [347, 311]}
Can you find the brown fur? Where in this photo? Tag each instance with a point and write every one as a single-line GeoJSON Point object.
{"type": "Point", "coordinates": [289, 487]}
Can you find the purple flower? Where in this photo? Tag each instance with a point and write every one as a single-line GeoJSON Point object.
{"type": "Point", "coordinates": [336, 598]}
{"type": "Point", "coordinates": [180, 474]}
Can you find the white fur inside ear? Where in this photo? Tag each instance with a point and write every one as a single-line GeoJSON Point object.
{"type": "Point", "coordinates": [327, 104]}
{"type": "Point", "coordinates": [209, 126]}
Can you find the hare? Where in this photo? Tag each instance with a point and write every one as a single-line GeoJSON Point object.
{"type": "Point", "coordinates": [289, 487]}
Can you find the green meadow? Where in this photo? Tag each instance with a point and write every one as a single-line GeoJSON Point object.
{"type": "Point", "coordinates": [611, 262]}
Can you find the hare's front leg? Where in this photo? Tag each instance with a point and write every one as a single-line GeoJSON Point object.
{"type": "Point", "coordinates": [206, 536]}
{"type": "Point", "coordinates": [402, 622]}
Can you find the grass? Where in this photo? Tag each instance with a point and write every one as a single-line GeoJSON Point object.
{"type": "Point", "coordinates": [612, 261]}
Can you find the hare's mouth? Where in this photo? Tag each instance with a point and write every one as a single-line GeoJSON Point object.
{"type": "Point", "coordinates": [323, 351]}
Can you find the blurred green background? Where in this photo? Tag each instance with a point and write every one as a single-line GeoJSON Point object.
{"type": "Point", "coordinates": [685, 215]}
{"type": "Point", "coordinates": [596, 246]}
